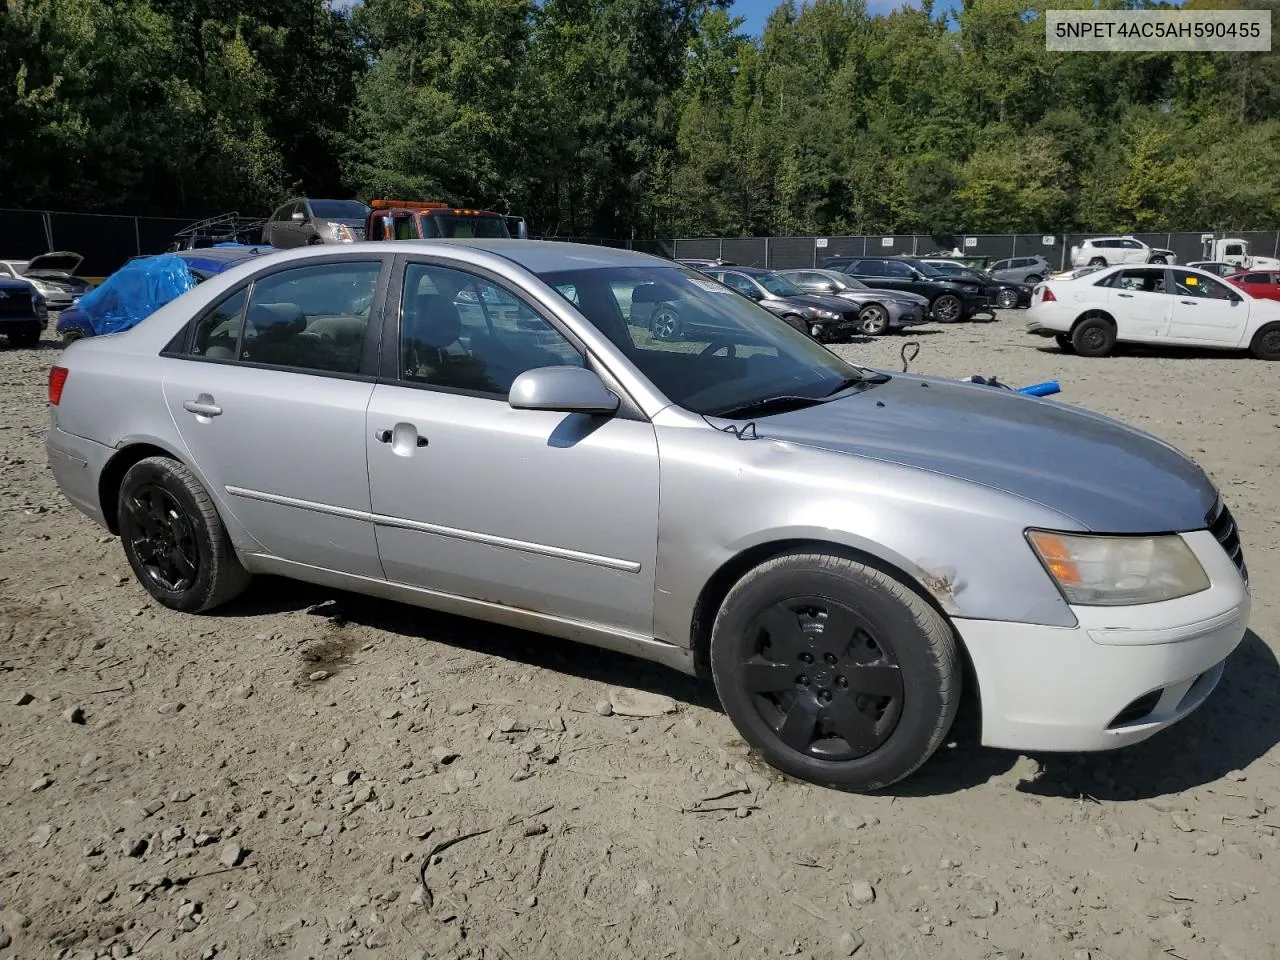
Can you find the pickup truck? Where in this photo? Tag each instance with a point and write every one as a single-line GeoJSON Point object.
{"type": "Point", "coordinates": [428, 219]}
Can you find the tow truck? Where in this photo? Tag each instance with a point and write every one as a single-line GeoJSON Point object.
{"type": "Point", "coordinates": [430, 219]}
{"type": "Point", "coordinates": [1235, 251]}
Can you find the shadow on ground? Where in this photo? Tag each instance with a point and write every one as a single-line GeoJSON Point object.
{"type": "Point", "coordinates": [1235, 727]}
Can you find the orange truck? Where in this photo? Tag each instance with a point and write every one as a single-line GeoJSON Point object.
{"type": "Point", "coordinates": [429, 219]}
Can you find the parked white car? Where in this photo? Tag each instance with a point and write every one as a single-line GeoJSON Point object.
{"type": "Point", "coordinates": [1108, 251]}
{"type": "Point", "coordinates": [1090, 314]}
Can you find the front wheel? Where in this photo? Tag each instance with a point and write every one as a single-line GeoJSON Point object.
{"type": "Point", "coordinates": [947, 308]}
{"type": "Point", "coordinates": [174, 539]}
{"type": "Point", "coordinates": [873, 320]}
{"type": "Point", "coordinates": [1266, 342]}
{"type": "Point", "coordinates": [1159, 260]}
{"type": "Point", "coordinates": [1007, 299]}
{"type": "Point", "coordinates": [836, 672]}
{"type": "Point", "coordinates": [796, 321]}
{"type": "Point", "coordinates": [71, 336]}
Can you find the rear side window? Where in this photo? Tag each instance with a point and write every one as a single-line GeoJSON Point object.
{"type": "Point", "coordinates": [218, 332]}
{"type": "Point", "coordinates": [311, 318]}
{"type": "Point", "coordinates": [894, 268]}
{"type": "Point", "coordinates": [1255, 278]}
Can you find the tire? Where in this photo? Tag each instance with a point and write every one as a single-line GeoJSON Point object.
{"type": "Point", "coordinates": [789, 697]}
{"type": "Point", "coordinates": [71, 336]}
{"type": "Point", "coordinates": [26, 339]}
{"type": "Point", "coordinates": [1064, 343]}
{"type": "Point", "coordinates": [1098, 262]}
{"type": "Point", "coordinates": [1159, 259]}
{"type": "Point", "coordinates": [665, 324]}
{"type": "Point", "coordinates": [1033, 278]}
{"type": "Point", "coordinates": [947, 308]}
{"type": "Point", "coordinates": [161, 500]}
{"type": "Point", "coordinates": [873, 320]}
{"type": "Point", "coordinates": [1265, 344]}
{"type": "Point", "coordinates": [1007, 299]}
{"type": "Point", "coordinates": [797, 322]}
{"type": "Point", "coordinates": [1094, 337]}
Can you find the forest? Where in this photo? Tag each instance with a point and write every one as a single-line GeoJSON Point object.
{"type": "Point", "coordinates": [634, 118]}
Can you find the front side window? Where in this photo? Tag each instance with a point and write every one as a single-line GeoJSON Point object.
{"type": "Point", "coordinates": [897, 269]}
{"type": "Point", "coordinates": [708, 351]}
{"type": "Point", "coordinates": [1233, 250]}
{"type": "Point", "coordinates": [1189, 284]}
{"type": "Point", "coordinates": [869, 268]}
{"type": "Point", "coordinates": [740, 283]}
{"type": "Point", "coordinates": [778, 286]}
{"type": "Point", "coordinates": [460, 331]}
{"type": "Point", "coordinates": [311, 318]}
{"type": "Point", "coordinates": [1255, 278]}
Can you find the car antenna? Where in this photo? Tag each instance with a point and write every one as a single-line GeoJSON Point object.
{"type": "Point", "coordinates": [914, 347]}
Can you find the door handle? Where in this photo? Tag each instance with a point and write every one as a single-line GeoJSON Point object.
{"type": "Point", "coordinates": [1189, 303]}
{"type": "Point", "coordinates": [1127, 296]}
{"type": "Point", "coordinates": [202, 408]}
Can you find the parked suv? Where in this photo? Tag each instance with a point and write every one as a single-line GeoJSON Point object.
{"type": "Point", "coordinates": [1108, 251]}
{"type": "Point", "coordinates": [301, 222]}
{"type": "Point", "coordinates": [1005, 294]}
{"type": "Point", "coordinates": [1021, 269]}
{"type": "Point", "coordinates": [950, 299]}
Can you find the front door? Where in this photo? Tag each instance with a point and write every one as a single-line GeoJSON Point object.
{"type": "Point", "coordinates": [1204, 310]}
{"type": "Point", "coordinates": [1141, 302]}
{"type": "Point", "coordinates": [270, 398]}
{"type": "Point", "coordinates": [551, 512]}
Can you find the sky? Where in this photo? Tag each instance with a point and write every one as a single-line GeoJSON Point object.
{"type": "Point", "coordinates": [756, 12]}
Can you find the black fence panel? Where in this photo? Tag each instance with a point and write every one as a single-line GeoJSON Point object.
{"type": "Point", "coordinates": [156, 233]}
{"type": "Point", "coordinates": [24, 234]}
{"type": "Point", "coordinates": [104, 242]}
{"type": "Point", "coordinates": [748, 252]}
{"type": "Point", "coordinates": [788, 253]}
{"type": "Point", "coordinates": [842, 247]}
{"type": "Point", "coordinates": [659, 248]}
{"type": "Point", "coordinates": [696, 249]}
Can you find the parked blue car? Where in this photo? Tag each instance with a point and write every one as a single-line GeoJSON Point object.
{"type": "Point", "coordinates": [144, 284]}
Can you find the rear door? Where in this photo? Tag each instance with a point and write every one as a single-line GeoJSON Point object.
{"type": "Point", "coordinates": [269, 394]}
{"type": "Point", "coordinates": [551, 512]}
{"type": "Point", "coordinates": [1204, 311]}
{"type": "Point", "coordinates": [1261, 285]}
{"type": "Point", "coordinates": [1141, 302]}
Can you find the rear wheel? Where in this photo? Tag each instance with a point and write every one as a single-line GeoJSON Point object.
{"type": "Point", "coordinates": [836, 672]}
{"type": "Point", "coordinates": [1094, 337]}
{"type": "Point", "coordinates": [665, 324]}
{"type": "Point", "coordinates": [1266, 342]}
{"type": "Point", "coordinates": [873, 320]}
{"type": "Point", "coordinates": [947, 308]}
{"type": "Point", "coordinates": [1160, 259]}
{"type": "Point", "coordinates": [1098, 262]}
{"type": "Point", "coordinates": [174, 539]}
{"type": "Point", "coordinates": [1034, 278]}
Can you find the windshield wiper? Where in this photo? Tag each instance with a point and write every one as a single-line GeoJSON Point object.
{"type": "Point", "coordinates": [847, 382]}
{"type": "Point", "coordinates": [778, 404]}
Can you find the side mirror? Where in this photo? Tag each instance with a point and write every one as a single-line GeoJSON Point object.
{"type": "Point", "coordinates": [562, 389]}
{"type": "Point", "coordinates": [298, 216]}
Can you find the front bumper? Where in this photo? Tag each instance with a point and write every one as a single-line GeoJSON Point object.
{"type": "Point", "coordinates": [902, 314]}
{"type": "Point", "coordinates": [1119, 676]}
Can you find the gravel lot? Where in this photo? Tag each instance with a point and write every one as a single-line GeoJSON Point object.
{"type": "Point", "coordinates": [267, 781]}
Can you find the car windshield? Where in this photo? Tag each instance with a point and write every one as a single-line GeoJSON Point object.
{"type": "Point", "coordinates": [708, 350]}
{"type": "Point", "coordinates": [338, 209]}
{"type": "Point", "coordinates": [777, 285]}
{"type": "Point", "coordinates": [441, 225]}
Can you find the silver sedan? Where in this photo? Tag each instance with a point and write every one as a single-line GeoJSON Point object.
{"type": "Point", "coordinates": [482, 427]}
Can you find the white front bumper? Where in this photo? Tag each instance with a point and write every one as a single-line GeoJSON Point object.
{"type": "Point", "coordinates": [1061, 688]}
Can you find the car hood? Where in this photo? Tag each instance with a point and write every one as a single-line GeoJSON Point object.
{"type": "Point", "coordinates": [810, 301]}
{"type": "Point", "coordinates": [62, 261]}
{"type": "Point", "coordinates": [1109, 477]}
{"type": "Point", "coordinates": [902, 296]}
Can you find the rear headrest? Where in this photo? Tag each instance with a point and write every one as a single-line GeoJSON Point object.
{"type": "Point", "coordinates": [433, 321]}
{"type": "Point", "coordinates": [276, 318]}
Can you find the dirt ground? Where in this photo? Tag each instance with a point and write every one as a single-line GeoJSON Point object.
{"type": "Point", "coordinates": [220, 799]}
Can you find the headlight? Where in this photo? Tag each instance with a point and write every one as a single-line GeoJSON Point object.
{"type": "Point", "coordinates": [968, 288]}
{"type": "Point", "coordinates": [340, 233]}
{"type": "Point", "coordinates": [828, 315]}
{"type": "Point", "coordinates": [1119, 571]}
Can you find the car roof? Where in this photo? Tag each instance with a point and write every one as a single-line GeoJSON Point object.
{"type": "Point", "coordinates": [224, 255]}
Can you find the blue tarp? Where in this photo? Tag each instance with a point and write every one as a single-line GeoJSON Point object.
{"type": "Point", "coordinates": [135, 291]}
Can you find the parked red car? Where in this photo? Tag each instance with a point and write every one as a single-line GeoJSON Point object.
{"type": "Point", "coordinates": [1258, 283]}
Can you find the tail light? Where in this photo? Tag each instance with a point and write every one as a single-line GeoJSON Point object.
{"type": "Point", "coordinates": [1047, 296]}
{"type": "Point", "coordinates": [57, 380]}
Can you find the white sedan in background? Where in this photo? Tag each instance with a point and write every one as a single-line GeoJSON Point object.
{"type": "Point", "coordinates": [1154, 304]}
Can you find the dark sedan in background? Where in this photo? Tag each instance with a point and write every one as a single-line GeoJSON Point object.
{"type": "Point", "coordinates": [879, 311]}
{"type": "Point", "coordinates": [1005, 294]}
{"type": "Point", "coordinates": [23, 312]}
{"type": "Point", "coordinates": [950, 298]}
{"type": "Point", "coordinates": [822, 317]}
